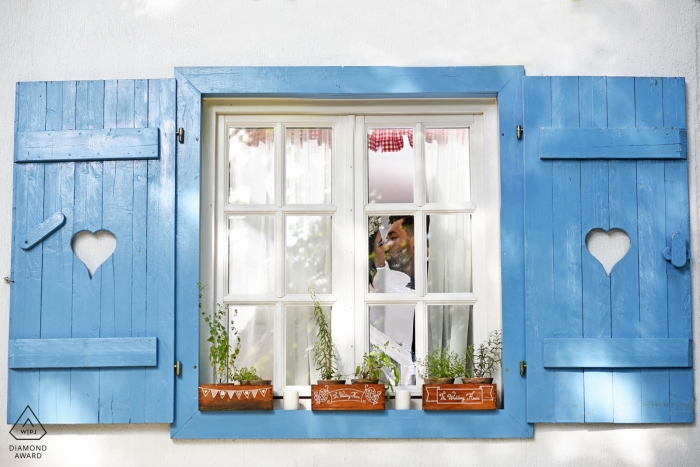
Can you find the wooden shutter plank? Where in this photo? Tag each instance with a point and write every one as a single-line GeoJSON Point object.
{"type": "Point", "coordinates": [624, 283]}
{"type": "Point", "coordinates": [613, 143]}
{"type": "Point", "coordinates": [539, 296]}
{"type": "Point", "coordinates": [25, 305]}
{"type": "Point", "coordinates": [139, 219]}
{"type": "Point", "coordinates": [566, 250]}
{"type": "Point", "coordinates": [617, 353]}
{"type": "Point", "coordinates": [76, 353]}
{"type": "Point", "coordinates": [677, 220]}
{"type": "Point", "coordinates": [651, 212]}
{"type": "Point", "coordinates": [161, 243]}
{"type": "Point", "coordinates": [595, 213]}
{"type": "Point", "coordinates": [85, 383]}
{"type": "Point", "coordinates": [57, 280]}
{"type": "Point", "coordinates": [87, 145]}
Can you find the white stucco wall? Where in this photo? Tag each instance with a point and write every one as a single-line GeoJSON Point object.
{"type": "Point", "coordinates": [85, 39]}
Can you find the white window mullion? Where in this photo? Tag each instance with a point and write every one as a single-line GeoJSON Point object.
{"type": "Point", "coordinates": [419, 164]}
{"type": "Point", "coordinates": [421, 337]}
{"type": "Point", "coordinates": [360, 237]}
{"type": "Point", "coordinates": [279, 365]}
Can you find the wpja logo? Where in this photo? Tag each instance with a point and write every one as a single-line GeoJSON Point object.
{"type": "Point", "coordinates": [28, 428]}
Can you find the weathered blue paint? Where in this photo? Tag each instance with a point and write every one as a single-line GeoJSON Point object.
{"type": "Point", "coordinates": [636, 302]}
{"type": "Point", "coordinates": [54, 222]}
{"type": "Point", "coordinates": [598, 405]}
{"type": "Point", "coordinates": [678, 278]}
{"type": "Point", "coordinates": [82, 353]}
{"type": "Point", "coordinates": [87, 145]}
{"type": "Point", "coordinates": [348, 82]}
{"type": "Point", "coordinates": [617, 353]}
{"type": "Point", "coordinates": [61, 302]}
{"type": "Point", "coordinates": [613, 143]}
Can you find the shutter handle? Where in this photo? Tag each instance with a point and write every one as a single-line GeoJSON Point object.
{"type": "Point", "coordinates": [678, 253]}
{"type": "Point", "coordinates": [181, 135]}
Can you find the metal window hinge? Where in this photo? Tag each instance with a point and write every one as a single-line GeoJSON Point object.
{"type": "Point", "coordinates": [519, 131]}
{"type": "Point", "coordinates": [523, 368]}
{"type": "Point", "coordinates": [181, 135]}
{"type": "Point", "coordinates": [178, 368]}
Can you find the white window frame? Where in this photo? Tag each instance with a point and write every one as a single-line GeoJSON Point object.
{"type": "Point", "coordinates": [350, 120]}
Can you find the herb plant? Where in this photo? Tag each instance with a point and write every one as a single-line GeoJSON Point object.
{"type": "Point", "coordinates": [246, 374]}
{"type": "Point", "coordinates": [221, 354]}
{"type": "Point", "coordinates": [483, 361]}
{"type": "Point", "coordinates": [441, 363]}
{"type": "Point", "coordinates": [373, 364]}
{"type": "Point", "coordinates": [324, 354]}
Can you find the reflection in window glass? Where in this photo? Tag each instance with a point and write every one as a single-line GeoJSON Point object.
{"type": "Point", "coordinates": [449, 253]}
{"type": "Point", "coordinates": [251, 254]}
{"type": "Point", "coordinates": [391, 248]}
{"type": "Point", "coordinates": [308, 165]}
{"type": "Point", "coordinates": [301, 332]}
{"type": "Point", "coordinates": [395, 324]}
{"type": "Point", "coordinates": [390, 165]}
{"type": "Point", "coordinates": [251, 161]}
{"type": "Point", "coordinates": [448, 327]}
{"type": "Point", "coordinates": [256, 329]}
{"type": "Point", "coordinates": [447, 165]}
{"type": "Point", "coordinates": [308, 254]}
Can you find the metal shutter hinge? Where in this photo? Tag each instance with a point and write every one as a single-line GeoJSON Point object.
{"type": "Point", "coordinates": [178, 368]}
{"type": "Point", "coordinates": [519, 132]}
{"type": "Point", "coordinates": [8, 280]}
{"type": "Point", "coordinates": [181, 135]}
{"type": "Point", "coordinates": [523, 368]}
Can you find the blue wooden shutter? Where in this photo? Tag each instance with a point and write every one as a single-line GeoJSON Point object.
{"type": "Point", "coordinates": [607, 153]}
{"type": "Point", "coordinates": [93, 155]}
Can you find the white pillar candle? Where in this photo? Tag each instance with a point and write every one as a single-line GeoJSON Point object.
{"type": "Point", "coordinates": [403, 399]}
{"type": "Point", "coordinates": [291, 399]}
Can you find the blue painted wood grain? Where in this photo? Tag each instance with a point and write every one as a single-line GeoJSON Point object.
{"type": "Point", "coordinates": [350, 81]}
{"type": "Point", "coordinates": [618, 353]}
{"type": "Point", "coordinates": [595, 213]}
{"type": "Point", "coordinates": [54, 222]}
{"type": "Point", "coordinates": [82, 353]}
{"type": "Point", "coordinates": [539, 280]}
{"type": "Point", "coordinates": [56, 283]}
{"type": "Point", "coordinates": [87, 145]}
{"type": "Point", "coordinates": [510, 114]}
{"type": "Point", "coordinates": [651, 213]}
{"type": "Point", "coordinates": [160, 278]}
{"type": "Point", "coordinates": [138, 254]}
{"type": "Point", "coordinates": [681, 398]}
{"type": "Point", "coordinates": [613, 143]}
{"type": "Point", "coordinates": [85, 383]}
{"type": "Point", "coordinates": [27, 212]}
{"type": "Point", "coordinates": [566, 314]}
{"type": "Point", "coordinates": [624, 278]}
{"type": "Point", "coordinates": [189, 422]}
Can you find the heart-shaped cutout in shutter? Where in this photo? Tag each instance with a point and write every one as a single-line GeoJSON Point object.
{"type": "Point", "coordinates": [93, 249]}
{"type": "Point", "coordinates": [608, 247]}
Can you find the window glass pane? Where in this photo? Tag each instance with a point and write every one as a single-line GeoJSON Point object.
{"type": "Point", "coordinates": [390, 165]}
{"type": "Point", "coordinates": [308, 254]}
{"type": "Point", "coordinates": [251, 162]}
{"type": "Point", "coordinates": [395, 324]}
{"type": "Point", "coordinates": [308, 166]}
{"type": "Point", "coordinates": [251, 254]}
{"type": "Point", "coordinates": [448, 327]}
{"type": "Point", "coordinates": [391, 248]}
{"type": "Point", "coordinates": [447, 165]}
{"type": "Point", "coordinates": [256, 329]}
{"type": "Point", "coordinates": [449, 249]}
{"type": "Point", "coordinates": [301, 332]}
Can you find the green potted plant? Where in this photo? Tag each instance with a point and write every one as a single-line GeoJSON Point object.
{"type": "Point", "coordinates": [249, 376]}
{"type": "Point", "coordinates": [372, 368]}
{"type": "Point", "coordinates": [324, 352]}
{"type": "Point", "coordinates": [482, 362]}
{"type": "Point", "coordinates": [441, 366]}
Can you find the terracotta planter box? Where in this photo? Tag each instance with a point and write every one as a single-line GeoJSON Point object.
{"type": "Point", "coordinates": [234, 397]}
{"type": "Point", "coordinates": [459, 397]}
{"type": "Point", "coordinates": [357, 396]}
